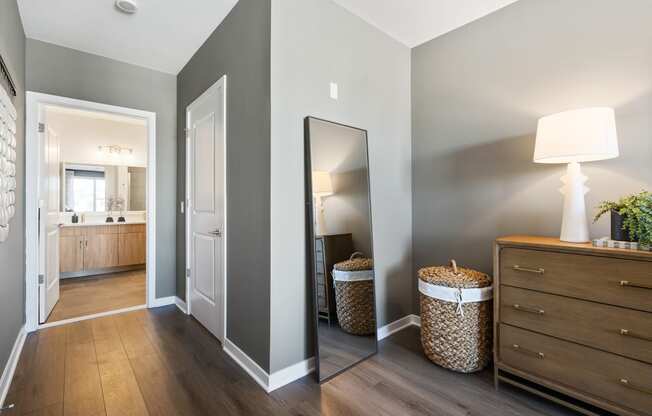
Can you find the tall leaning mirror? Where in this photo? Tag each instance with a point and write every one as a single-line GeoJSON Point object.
{"type": "Point", "coordinates": [339, 245]}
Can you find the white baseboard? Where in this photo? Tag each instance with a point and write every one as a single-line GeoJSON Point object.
{"type": "Point", "coordinates": [289, 374]}
{"type": "Point", "coordinates": [269, 382]}
{"type": "Point", "coordinates": [399, 324]}
{"type": "Point", "coordinates": [10, 367]}
{"type": "Point", "coordinates": [259, 375]}
{"type": "Point", "coordinates": [181, 305]}
{"type": "Point", "coordinates": [159, 302]}
{"type": "Point", "coordinates": [280, 378]}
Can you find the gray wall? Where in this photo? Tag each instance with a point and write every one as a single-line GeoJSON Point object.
{"type": "Point", "coordinates": [477, 94]}
{"type": "Point", "coordinates": [12, 251]}
{"type": "Point", "coordinates": [239, 48]}
{"type": "Point", "coordinates": [315, 42]}
{"type": "Point", "coordinates": [66, 72]}
{"type": "Point", "coordinates": [347, 210]}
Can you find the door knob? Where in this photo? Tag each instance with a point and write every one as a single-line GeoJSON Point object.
{"type": "Point", "coordinates": [216, 232]}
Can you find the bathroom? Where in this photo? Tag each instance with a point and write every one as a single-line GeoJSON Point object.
{"type": "Point", "coordinates": [98, 161]}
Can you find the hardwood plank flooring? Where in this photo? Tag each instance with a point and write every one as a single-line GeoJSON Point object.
{"type": "Point", "coordinates": [162, 362]}
{"type": "Point", "coordinates": [82, 296]}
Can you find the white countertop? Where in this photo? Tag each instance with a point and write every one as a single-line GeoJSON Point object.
{"type": "Point", "coordinates": [101, 224]}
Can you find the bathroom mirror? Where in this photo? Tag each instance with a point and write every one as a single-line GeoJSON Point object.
{"type": "Point", "coordinates": [89, 188]}
{"type": "Point", "coordinates": [339, 245]}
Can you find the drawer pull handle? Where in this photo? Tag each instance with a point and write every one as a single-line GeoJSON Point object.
{"type": "Point", "coordinates": [528, 309]}
{"type": "Point", "coordinates": [538, 355]}
{"type": "Point", "coordinates": [634, 284]}
{"type": "Point", "coordinates": [633, 386]}
{"type": "Point", "coordinates": [628, 333]}
{"type": "Point", "coordinates": [528, 270]}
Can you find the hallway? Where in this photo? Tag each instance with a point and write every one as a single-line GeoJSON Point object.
{"type": "Point", "coordinates": [162, 362]}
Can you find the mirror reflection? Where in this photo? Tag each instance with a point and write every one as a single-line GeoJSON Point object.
{"type": "Point", "coordinates": [88, 188]}
{"type": "Point", "coordinates": [340, 245]}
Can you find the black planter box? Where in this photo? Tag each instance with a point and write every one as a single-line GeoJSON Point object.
{"type": "Point", "coordinates": [617, 232]}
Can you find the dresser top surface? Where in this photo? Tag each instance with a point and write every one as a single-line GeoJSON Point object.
{"type": "Point", "coordinates": [550, 243]}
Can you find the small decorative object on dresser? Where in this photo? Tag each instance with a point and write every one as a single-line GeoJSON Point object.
{"type": "Point", "coordinates": [631, 218]}
{"type": "Point", "coordinates": [573, 323]}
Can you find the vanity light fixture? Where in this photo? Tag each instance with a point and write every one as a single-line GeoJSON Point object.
{"type": "Point", "coordinates": [115, 150]}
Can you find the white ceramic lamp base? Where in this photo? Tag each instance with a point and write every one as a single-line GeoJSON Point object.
{"type": "Point", "coordinates": [320, 222]}
{"type": "Point", "coordinates": [575, 225]}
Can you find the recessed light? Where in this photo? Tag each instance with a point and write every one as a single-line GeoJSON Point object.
{"type": "Point", "coordinates": [126, 6]}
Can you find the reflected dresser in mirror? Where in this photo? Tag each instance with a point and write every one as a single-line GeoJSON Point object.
{"type": "Point", "coordinates": [329, 250]}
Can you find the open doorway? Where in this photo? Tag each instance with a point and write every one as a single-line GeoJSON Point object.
{"type": "Point", "coordinates": [91, 185]}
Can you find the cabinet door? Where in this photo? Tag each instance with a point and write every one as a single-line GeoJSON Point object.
{"type": "Point", "coordinates": [131, 249]}
{"type": "Point", "coordinates": [72, 253]}
{"type": "Point", "coordinates": [100, 250]}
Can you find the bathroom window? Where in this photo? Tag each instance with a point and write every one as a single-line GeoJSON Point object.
{"type": "Point", "coordinates": [88, 191]}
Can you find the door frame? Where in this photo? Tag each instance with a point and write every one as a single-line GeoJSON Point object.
{"type": "Point", "coordinates": [188, 202]}
{"type": "Point", "coordinates": [34, 102]}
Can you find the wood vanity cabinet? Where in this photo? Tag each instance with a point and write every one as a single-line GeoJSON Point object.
{"type": "Point", "coordinates": [131, 245]}
{"type": "Point", "coordinates": [71, 249]}
{"type": "Point", "coordinates": [97, 248]}
{"type": "Point", "coordinates": [101, 247]}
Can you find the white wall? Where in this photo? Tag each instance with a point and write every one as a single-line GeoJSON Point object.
{"type": "Point", "coordinates": [315, 42]}
{"type": "Point", "coordinates": [81, 135]}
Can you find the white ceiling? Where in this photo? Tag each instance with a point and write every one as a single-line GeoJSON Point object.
{"type": "Point", "coordinates": [414, 22]}
{"type": "Point", "coordinates": [162, 35]}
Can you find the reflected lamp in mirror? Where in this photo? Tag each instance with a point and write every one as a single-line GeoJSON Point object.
{"type": "Point", "coordinates": [573, 137]}
{"type": "Point", "coordinates": [322, 186]}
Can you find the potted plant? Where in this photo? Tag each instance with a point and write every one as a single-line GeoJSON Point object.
{"type": "Point", "coordinates": [631, 218]}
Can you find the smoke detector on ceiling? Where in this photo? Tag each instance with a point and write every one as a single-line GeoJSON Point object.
{"type": "Point", "coordinates": [126, 6]}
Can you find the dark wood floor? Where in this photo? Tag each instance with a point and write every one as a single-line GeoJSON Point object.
{"type": "Point", "coordinates": [81, 296]}
{"type": "Point", "coordinates": [338, 349]}
{"type": "Point", "coordinates": [162, 362]}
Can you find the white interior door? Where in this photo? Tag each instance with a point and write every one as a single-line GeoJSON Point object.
{"type": "Point", "coordinates": [49, 221]}
{"type": "Point", "coordinates": [206, 206]}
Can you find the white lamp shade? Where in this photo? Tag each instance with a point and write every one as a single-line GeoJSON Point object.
{"type": "Point", "coordinates": [321, 183]}
{"type": "Point", "coordinates": [582, 135]}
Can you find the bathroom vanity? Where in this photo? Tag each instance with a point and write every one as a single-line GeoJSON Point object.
{"type": "Point", "coordinates": [90, 249]}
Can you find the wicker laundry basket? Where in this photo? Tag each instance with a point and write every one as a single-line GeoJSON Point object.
{"type": "Point", "coordinates": [354, 295]}
{"type": "Point", "coordinates": [456, 317]}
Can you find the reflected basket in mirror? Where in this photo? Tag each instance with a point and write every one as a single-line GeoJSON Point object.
{"type": "Point", "coordinates": [354, 295]}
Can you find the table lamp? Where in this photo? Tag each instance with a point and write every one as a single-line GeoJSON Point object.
{"type": "Point", "coordinates": [572, 137]}
{"type": "Point", "coordinates": [321, 187]}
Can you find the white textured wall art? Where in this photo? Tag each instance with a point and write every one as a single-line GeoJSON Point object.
{"type": "Point", "coordinates": [7, 163]}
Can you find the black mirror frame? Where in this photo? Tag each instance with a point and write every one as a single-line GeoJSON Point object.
{"type": "Point", "coordinates": [311, 273]}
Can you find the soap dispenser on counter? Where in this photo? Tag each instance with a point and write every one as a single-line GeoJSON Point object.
{"type": "Point", "coordinates": [75, 218]}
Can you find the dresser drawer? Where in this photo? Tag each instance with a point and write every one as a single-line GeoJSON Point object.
{"type": "Point", "coordinates": [622, 331]}
{"type": "Point", "coordinates": [626, 283]}
{"type": "Point", "coordinates": [621, 381]}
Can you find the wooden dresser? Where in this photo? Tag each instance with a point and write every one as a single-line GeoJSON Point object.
{"type": "Point", "coordinates": [329, 249]}
{"type": "Point", "coordinates": [573, 323]}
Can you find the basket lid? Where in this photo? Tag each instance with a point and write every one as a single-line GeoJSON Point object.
{"type": "Point", "coordinates": [356, 262]}
{"type": "Point", "coordinates": [453, 276]}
